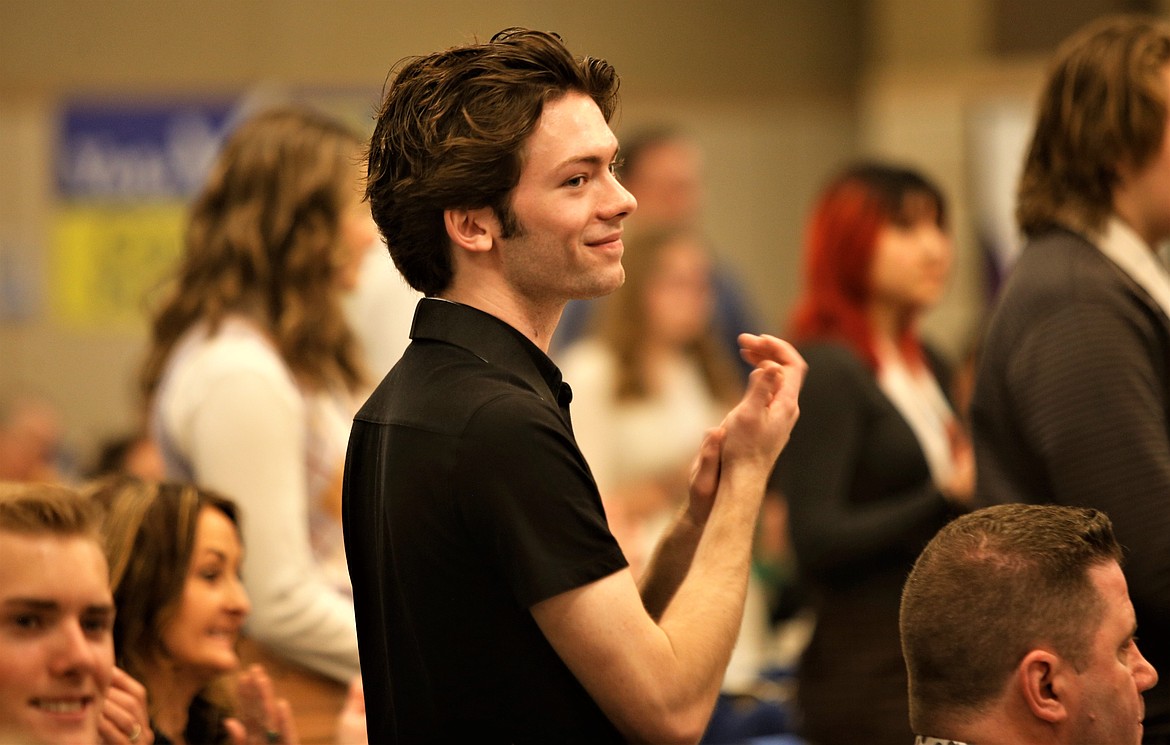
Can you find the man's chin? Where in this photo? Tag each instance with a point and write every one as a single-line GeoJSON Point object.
{"type": "Point", "coordinates": [601, 289]}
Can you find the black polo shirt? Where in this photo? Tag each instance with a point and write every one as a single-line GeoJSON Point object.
{"type": "Point", "coordinates": [466, 502]}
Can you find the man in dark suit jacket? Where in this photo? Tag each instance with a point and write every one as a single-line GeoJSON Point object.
{"type": "Point", "coordinates": [1072, 395]}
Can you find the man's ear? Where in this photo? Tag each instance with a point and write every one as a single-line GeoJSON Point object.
{"type": "Point", "coordinates": [472, 229]}
{"type": "Point", "coordinates": [1045, 685]}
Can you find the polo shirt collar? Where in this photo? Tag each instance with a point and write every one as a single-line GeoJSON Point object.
{"type": "Point", "coordinates": [493, 341]}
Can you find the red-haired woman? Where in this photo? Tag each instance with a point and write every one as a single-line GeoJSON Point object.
{"type": "Point", "coordinates": [876, 464]}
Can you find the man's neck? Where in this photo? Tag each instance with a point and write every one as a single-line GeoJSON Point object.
{"type": "Point", "coordinates": [1127, 208]}
{"type": "Point", "coordinates": [537, 321]}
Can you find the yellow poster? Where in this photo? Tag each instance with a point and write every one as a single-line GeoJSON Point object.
{"type": "Point", "coordinates": [108, 261]}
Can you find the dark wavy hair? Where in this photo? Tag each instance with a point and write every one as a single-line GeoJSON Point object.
{"type": "Point", "coordinates": [1104, 105]}
{"type": "Point", "coordinates": [263, 240]}
{"type": "Point", "coordinates": [839, 248]}
{"type": "Point", "coordinates": [450, 134]}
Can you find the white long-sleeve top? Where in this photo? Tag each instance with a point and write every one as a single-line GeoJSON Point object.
{"type": "Point", "coordinates": [625, 442]}
{"type": "Point", "coordinates": [229, 416]}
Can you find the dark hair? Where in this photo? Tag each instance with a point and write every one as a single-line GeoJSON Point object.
{"type": "Point", "coordinates": [149, 540]}
{"type": "Point", "coordinates": [991, 586]}
{"type": "Point", "coordinates": [450, 134]}
{"type": "Point", "coordinates": [1104, 105]}
{"type": "Point", "coordinates": [839, 247]}
{"type": "Point", "coordinates": [263, 240]}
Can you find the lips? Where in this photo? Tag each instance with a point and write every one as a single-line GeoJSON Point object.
{"type": "Point", "coordinates": [70, 705]}
{"type": "Point", "coordinates": [230, 634]}
{"type": "Point", "coordinates": [613, 238]}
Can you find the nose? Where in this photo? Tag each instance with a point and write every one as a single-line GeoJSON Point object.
{"type": "Point", "coordinates": [76, 653]}
{"type": "Point", "coordinates": [935, 241]}
{"type": "Point", "coordinates": [620, 202]}
{"type": "Point", "coordinates": [1144, 674]}
{"type": "Point", "coordinates": [237, 598]}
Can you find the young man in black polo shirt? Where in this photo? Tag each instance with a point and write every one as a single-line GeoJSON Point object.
{"type": "Point", "coordinates": [493, 604]}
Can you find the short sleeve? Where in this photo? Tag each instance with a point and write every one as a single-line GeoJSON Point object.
{"type": "Point", "coordinates": [529, 500]}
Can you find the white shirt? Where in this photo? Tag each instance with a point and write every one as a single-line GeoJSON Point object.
{"type": "Point", "coordinates": [229, 416]}
{"type": "Point", "coordinates": [1122, 245]}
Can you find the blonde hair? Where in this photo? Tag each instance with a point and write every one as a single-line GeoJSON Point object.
{"type": "Point", "coordinates": [47, 509]}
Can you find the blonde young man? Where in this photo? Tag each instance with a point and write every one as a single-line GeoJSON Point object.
{"type": "Point", "coordinates": [58, 683]}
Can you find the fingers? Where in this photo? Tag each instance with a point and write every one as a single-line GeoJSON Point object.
{"type": "Point", "coordinates": [263, 717]}
{"type": "Point", "coordinates": [351, 723]}
{"type": "Point", "coordinates": [763, 384]}
{"type": "Point", "coordinates": [124, 716]}
{"type": "Point", "coordinates": [356, 698]}
{"type": "Point", "coordinates": [285, 724]}
{"type": "Point", "coordinates": [257, 702]}
{"type": "Point", "coordinates": [114, 730]}
{"type": "Point", "coordinates": [763, 350]}
{"type": "Point", "coordinates": [705, 472]}
{"type": "Point", "coordinates": [755, 348]}
{"type": "Point", "coordinates": [237, 733]}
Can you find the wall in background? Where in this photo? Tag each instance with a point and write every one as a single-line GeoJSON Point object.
{"type": "Point", "coordinates": [779, 92]}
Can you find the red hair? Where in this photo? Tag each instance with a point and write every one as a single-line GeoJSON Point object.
{"type": "Point", "coordinates": [840, 243]}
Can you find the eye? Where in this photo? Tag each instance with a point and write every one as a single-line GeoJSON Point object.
{"type": "Point", "coordinates": [97, 625]}
{"type": "Point", "coordinates": [28, 621]}
{"type": "Point", "coordinates": [210, 572]}
{"type": "Point", "coordinates": [576, 181]}
{"type": "Point", "coordinates": [616, 166]}
{"type": "Point", "coordinates": [1127, 648]}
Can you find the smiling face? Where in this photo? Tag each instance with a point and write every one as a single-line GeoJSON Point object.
{"type": "Point", "coordinates": [568, 207]}
{"type": "Point", "coordinates": [201, 638]}
{"type": "Point", "coordinates": [56, 638]}
{"type": "Point", "coordinates": [1110, 706]}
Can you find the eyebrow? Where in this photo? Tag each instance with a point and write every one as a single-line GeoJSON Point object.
{"type": "Point", "coordinates": [593, 160]}
{"type": "Point", "coordinates": [32, 603]}
{"type": "Point", "coordinates": [40, 604]}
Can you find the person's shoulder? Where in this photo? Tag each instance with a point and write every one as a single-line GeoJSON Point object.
{"type": "Point", "coordinates": [831, 354]}
{"type": "Point", "coordinates": [1063, 262]}
{"type": "Point", "coordinates": [236, 357]}
{"type": "Point", "coordinates": [835, 370]}
{"type": "Point", "coordinates": [237, 345]}
{"type": "Point", "coordinates": [445, 385]}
